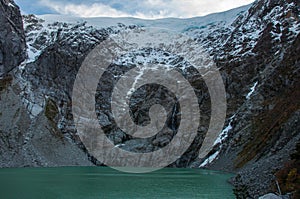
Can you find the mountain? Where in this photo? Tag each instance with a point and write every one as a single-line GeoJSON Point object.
{"type": "Point", "coordinates": [256, 50]}
{"type": "Point", "coordinates": [12, 37]}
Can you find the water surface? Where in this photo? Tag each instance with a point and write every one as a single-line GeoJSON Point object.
{"type": "Point", "coordinates": [102, 182]}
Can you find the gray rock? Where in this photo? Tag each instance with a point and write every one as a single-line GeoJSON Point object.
{"type": "Point", "coordinates": [270, 196]}
{"type": "Point", "coordinates": [27, 142]}
{"type": "Point", "coordinates": [12, 37]}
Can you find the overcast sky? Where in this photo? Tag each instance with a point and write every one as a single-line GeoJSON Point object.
{"type": "Point", "coordinates": [149, 9]}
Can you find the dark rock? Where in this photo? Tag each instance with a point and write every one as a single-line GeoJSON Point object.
{"type": "Point", "coordinates": [12, 37]}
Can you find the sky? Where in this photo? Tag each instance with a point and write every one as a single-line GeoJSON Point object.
{"type": "Point", "coordinates": [146, 9]}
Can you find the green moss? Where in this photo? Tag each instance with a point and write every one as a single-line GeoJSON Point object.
{"type": "Point", "coordinates": [51, 110]}
{"type": "Point", "coordinates": [289, 176]}
{"type": "Point", "coordinates": [5, 82]}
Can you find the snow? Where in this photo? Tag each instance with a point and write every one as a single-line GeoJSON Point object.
{"type": "Point", "coordinates": [224, 134]}
{"type": "Point", "coordinates": [252, 89]}
{"type": "Point", "coordinates": [175, 24]}
{"type": "Point", "coordinates": [295, 29]}
{"type": "Point", "coordinates": [213, 25]}
{"type": "Point", "coordinates": [210, 159]}
{"type": "Point", "coordinates": [11, 5]}
{"type": "Point", "coordinates": [33, 104]}
{"type": "Point", "coordinates": [32, 108]}
{"type": "Point", "coordinates": [32, 53]}
{"type": "Point", "coordinates": [119, 145]}
{"type": "Point", "coordinates": [36, 109]}
{"type": "Point", "coordinates": [51, 23]}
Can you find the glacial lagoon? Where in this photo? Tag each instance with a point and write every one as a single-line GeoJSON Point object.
{"type": "Point", "coordinates": [105, 182]}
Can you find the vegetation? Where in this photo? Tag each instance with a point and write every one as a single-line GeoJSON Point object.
{"type": "Point", "coordinates": [266, 126]}
{"type": "Point", "coordinates": [289, 176]}
{"type": "Point", "coordinates": [5, 82]}
{"type": "Point", "coordinates": [51, 112]}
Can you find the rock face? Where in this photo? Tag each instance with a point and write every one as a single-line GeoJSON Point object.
{"type": "Point", "coordinates": [256, 49]}
{"type": "Point", "coordinates": [12, 37]}
{"type": "Point", "coordinates": [265, 126]}
{"type": "Point", "coordinates": [24, 140]}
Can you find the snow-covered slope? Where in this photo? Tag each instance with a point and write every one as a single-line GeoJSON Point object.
{"type": "Point", "coordinates": [175, 24]}
{"type": "Point", "coordinates": [43, 30]}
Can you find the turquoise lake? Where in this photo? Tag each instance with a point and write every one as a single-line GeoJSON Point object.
{"type": "Point", "coordinates": [104, 182]}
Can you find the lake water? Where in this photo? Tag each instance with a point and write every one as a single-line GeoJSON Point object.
{"type": "Point", "coordinates": [102, 182]}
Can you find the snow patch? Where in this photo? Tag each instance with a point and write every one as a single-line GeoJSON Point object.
{"type": "Point", "coordinates": [33, 104]}
{"type": "Point", "coordinates": [35, 110]}
{"type": "Point", "coordinates": [11, 5]}
{"type": "Point", "coordinates": [223, 135]}
{"type": "Point", "coordinates": [295, 29]}
{"type": "Point", "coordinates": [252, 89]}
{"type": "Point", "coordinates": [210, 159]}
{"type": "Point", "coordinates": [119, 145]}
{"type": "Point", "coordinates": [32, 53]}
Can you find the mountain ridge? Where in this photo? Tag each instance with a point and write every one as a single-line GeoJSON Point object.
{"type": "Point", "coordinates": [257, 53]}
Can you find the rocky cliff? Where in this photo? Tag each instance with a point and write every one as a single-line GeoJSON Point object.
{"type": "Point", "coordinates": [261, 64]}
{"type": "Point", "coordinates": [12, 37]}
{"type": "Point", "coordinates": [256, 49]}
{"type": "Point", "coordinates": [24, 140]}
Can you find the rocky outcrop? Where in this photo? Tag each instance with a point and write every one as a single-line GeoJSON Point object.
{"type": "Point", "coordinates": [12, 37]}
{"type": "Point", "coordinates": [27, 141]}
{"type": "Point", "coordinates": [271, 196]}
{"type": "Point", "coordinates": [265, 127]}
{"type": "Point", "coordinates": [32, 143]}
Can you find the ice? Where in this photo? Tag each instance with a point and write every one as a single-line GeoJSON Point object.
{"type": "Point", "coordinates": [177, 24]}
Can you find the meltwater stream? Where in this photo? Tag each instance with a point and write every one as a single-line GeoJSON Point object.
{"type": "Point", "coordinates": [103, 182]}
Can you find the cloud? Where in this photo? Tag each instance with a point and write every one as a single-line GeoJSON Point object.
{"type": "Point", "coordinates": [148, 9]}
{"type": "Point", "coordinates": [83, 10]}
{"type": "Point", "coordinates": [192, 8]}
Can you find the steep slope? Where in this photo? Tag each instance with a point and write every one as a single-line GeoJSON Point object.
{"type": "Point", "coordinates": [57, 46]}
{"type": "Point", "coordinates": [256, 49]}
{"type": "Point", "coordinates": [261, 64]}
{"type": "Point", "coordinates": [26, 141]}
{"type": "Point", "coordinates": [12, 37]}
